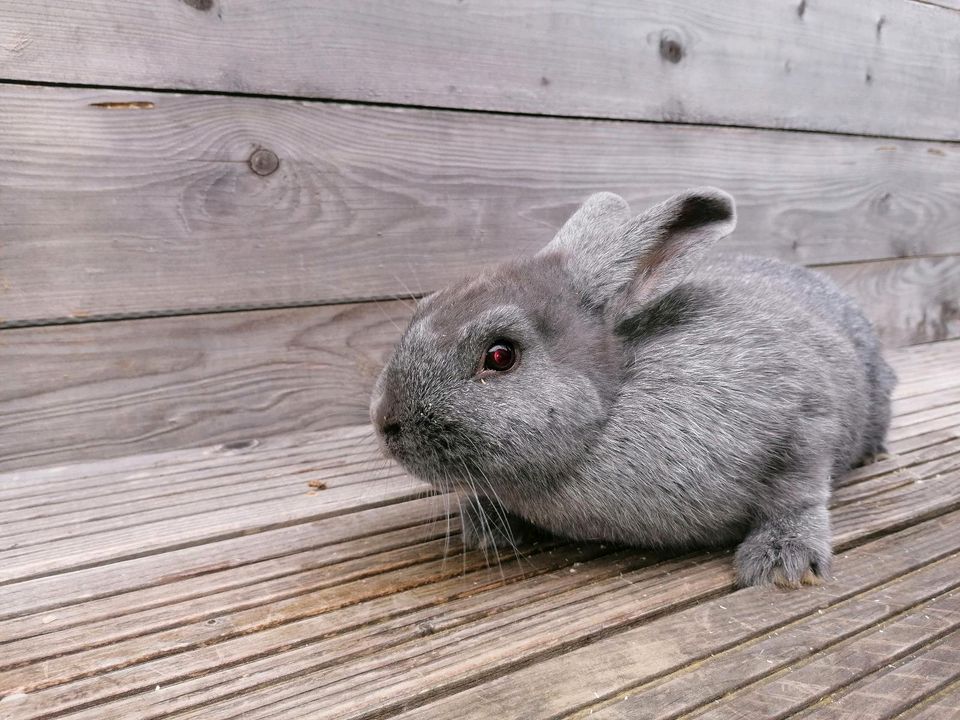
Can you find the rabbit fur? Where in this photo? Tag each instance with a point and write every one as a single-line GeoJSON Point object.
{"type": "Point", "coordinates": [664, 396]}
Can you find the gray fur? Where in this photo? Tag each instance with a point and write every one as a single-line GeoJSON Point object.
{"type": "Point", "coordinates": [661, 399]}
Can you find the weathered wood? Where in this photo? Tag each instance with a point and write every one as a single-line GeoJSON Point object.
{"type": "Point", "coordinates": [368, 619]}
{"type": "Point", "coordinates": [216, 564]}
{"type": "Point", "coordinates": [159, 211]}
{"type": "Point", "coordinates": [600, 599]}
{"type": "Point", "coordinates": [328, 450]}
{"type": "Point", "coordinates": [347, 532]}
{"type": "Point", "coordinates": [892, 691]}
{"type": "Point", "coordinates": [183, 530]}
{"type": "Point", "coordinates": [855, 67]}
{"type": "Point", "coordinates": [949, 422]}
{"type": "Point", "coordinates": [101, 389]}
{"type": "Point", "coordinates": [385, 684]}
{"type": "Point", "coordinates": [810, 682]}
{"type": "Point", "coordinates": [929, 287]}
{"type": "Point", "coordinates": [942, 706]}
{"type": "Point", "coordinates": [612, 666]}
{"type": "Point", "coordinates": [781, 651]}
{"type": "Point", "coordinates": [281, 634]}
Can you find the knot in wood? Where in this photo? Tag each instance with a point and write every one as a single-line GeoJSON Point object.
{"type": "Point", "coordinates": [264, 162]}
{"type": "Point", "coordinates": [671, 49]}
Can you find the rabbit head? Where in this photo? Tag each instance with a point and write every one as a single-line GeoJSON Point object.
{"type": "Point", "coordinates": [502, 382]}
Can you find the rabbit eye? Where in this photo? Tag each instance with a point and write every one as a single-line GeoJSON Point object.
{"type": "Point", "coordinates": [500, 356]}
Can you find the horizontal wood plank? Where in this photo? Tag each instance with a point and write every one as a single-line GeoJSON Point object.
{"type": "Point", "coordinates": [159, 210]}
{"type": "Point", "coordinates": [781, 653]}
{"type": "Point", "coordinates": [810, 682]}
{"type": "Point", "coordinates": [104, 389]}
{"type": "Point", "coordinates": [945, 705]}
{"type": "Point", "coordinates": [544, 635]}
{"type": "Point", "coordinates": [97, 390]}
{"type": "Point", "coordinates": [895, 689]}
{"type": "Point", "coordinates": [876, 66]}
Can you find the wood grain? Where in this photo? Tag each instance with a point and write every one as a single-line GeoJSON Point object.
{"type": "Point", "coordinates": [482, 651]}
{"type": "Point", "coordinates": [878, 647]}
{"type": "Point", "coordinates": [618, 664]}
{"type": "Point", "coordinates": [910, 301]}
{"type": "Point", "coordinates": [159, 211]}
{"type": "Point", "coordinates": [97, 390]}
{"type": "Point", "coordinates": [104, 389]}
{"type": "Point", "coordinates": [942, 706]}
{"type": "Point", "coordinates": [893, 690]}
{"type": "Point", "coordinates": [598, 604]}
{"type": "Point", "coordinates": [882, 67]}
{"type": "Point", "coordinates": [367, 618]}
{"type": "Point", "coordinates": [782, 652]}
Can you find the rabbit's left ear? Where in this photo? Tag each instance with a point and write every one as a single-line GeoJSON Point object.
{"type": "Point", "coordinates": [620, 264]}
{"type": "Point", "coordinates": [671, 239]}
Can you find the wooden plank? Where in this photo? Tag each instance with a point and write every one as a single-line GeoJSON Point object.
{"type": "Point", "coordinates": [251, 608]}
{"type": "Point", "coordinates": [855, 67]}
{"type": "Point", "coordinates": [217, 564]}
{"type": "Point", "coordinates": [804, 685]}
{"type": "Point", "coordinates": [286, 489]}
{"type": "Point", "coordinates": [384, 682]}
{"type": "Point", "coordinates": [943, 706]}
{"type": "Point", "coordinates": [182, 531]}
{"type": "Point", "coordinates": [23, 482]}
{"type": "Point", "coordinates": [600, 605]}
{"type": "Point", "coordinates": [877, 504]}
{"type": "Point", "coordinates": [160, 212]}
{"type": "Point", "coordinates": [292, 626]}
{"type": "Point", "coordinates": [238, 588]}
{"type": "Point", "coordinates": [848, 624]}
{"type": "Point", "coordinates": [911, 407]}
{"type": "Point", "coordinates": [328, 449]}
{"type": "Point", "coordinates": [950, 422]}
{"type": "Point", "coordinates": [100, 389]}
{"type": "Point", "coordinates": [360, 531]}
{"type": "Point", "coordinates": [930, 287]}
{"type": "Point", "coordinates": [611, 666]}
{"type": "Point", "coordinates": [951, 403]}
{"type": "Point", "coordinates": [891, 691]}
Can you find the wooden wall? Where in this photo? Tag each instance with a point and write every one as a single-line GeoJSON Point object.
{"type": "Point", "coordinates": [209, 208]}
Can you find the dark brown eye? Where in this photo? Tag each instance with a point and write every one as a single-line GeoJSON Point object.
{"type": "Point", "coordinates": [500, 356]}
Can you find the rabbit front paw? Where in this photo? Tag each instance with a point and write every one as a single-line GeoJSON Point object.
{"type": "Point", "coordinates": [788, 551]}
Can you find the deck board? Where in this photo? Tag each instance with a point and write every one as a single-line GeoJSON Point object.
{"type": "Point", "coordinates": [302, 576]}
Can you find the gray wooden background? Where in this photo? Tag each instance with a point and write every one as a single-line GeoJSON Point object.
{"type": "Point", "coordinates": [209, 208]}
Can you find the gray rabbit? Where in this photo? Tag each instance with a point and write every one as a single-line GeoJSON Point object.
{"type": "Point", "coordinates": [621, 385]}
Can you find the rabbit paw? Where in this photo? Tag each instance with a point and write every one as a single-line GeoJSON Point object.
{"type": "Point", "coordinates": [487, 525]}
{"type": "Point", "coordinates": [790, 551]}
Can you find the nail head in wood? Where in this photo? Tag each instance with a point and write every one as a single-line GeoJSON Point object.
{"type": "Point", "coordinates": [264, 162]}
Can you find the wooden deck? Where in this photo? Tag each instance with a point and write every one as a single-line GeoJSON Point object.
{"type": "Point", "coordinates": [301, 576]}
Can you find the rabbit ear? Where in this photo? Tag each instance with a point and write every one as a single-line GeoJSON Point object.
{"type": "Point", "coordinates": [670, 240]}
{"type": "Point", "coordinates": [589, 244]}
{"type": "Point", "coordinates": [622, 264]}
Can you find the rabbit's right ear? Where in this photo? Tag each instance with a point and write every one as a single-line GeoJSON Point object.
{"type": "Point", "coordinates": [588, 242]}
